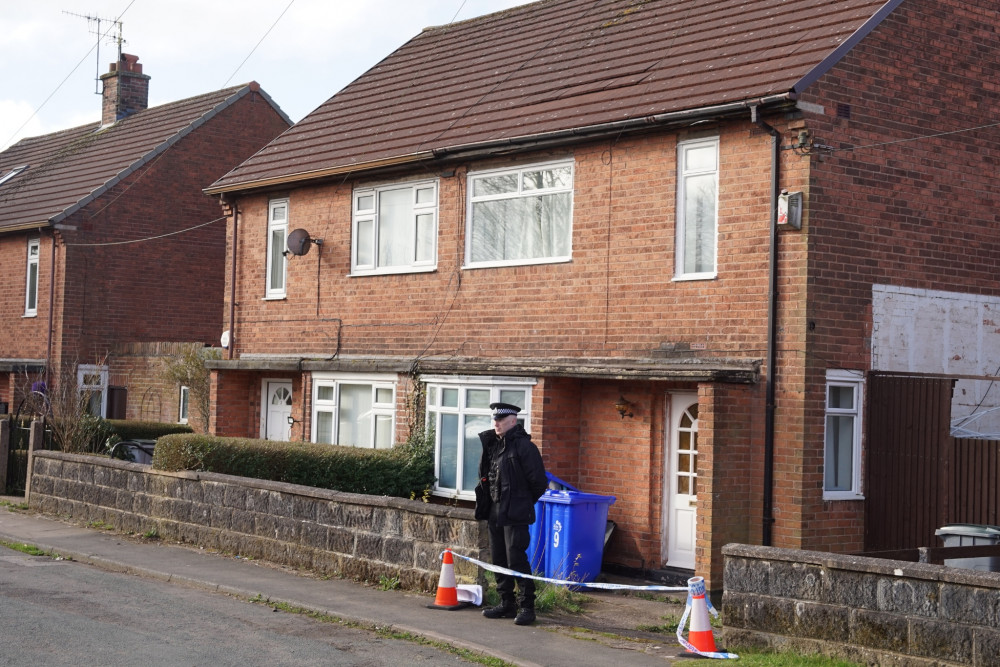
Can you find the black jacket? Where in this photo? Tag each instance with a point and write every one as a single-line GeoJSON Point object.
{"type": "Point", "coordinates": [522, 477]}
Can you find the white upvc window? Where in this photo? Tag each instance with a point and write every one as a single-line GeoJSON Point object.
{"type": "Point", "coordinates": [458, 410]}
{"type": "Point", "coordinates": [354, 411]}
{"type": "Point", "coordinates": [277, 239]}
{"type": "Point", "coordinates": [31, 284]}
{"type": "Point", "coordinates": [395, 228]}
{"type": "Point", "coordinates": [182, 409]}
{"type": "Point", "coordinates": [842, 435]}
{"type": "Point", "coordinates": [520, 216]}
{"type": "Point", "coordinates": [697, 209]}
{"type": "Point", "coordinates": [92, 383]}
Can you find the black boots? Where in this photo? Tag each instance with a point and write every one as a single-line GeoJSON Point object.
{"type": "Point", "coordinates": [522, 616]}
{"type": "Point", "coordinates": [525, 616]}
{"type": "Point", "coordinates": [502, 610]}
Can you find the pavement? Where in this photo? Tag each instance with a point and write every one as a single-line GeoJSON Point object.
{"type": "Point", "coordinates": [613, 628]}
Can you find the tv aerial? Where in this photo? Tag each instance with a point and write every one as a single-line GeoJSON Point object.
{"type": "Point", "coordinates": [114, 35]}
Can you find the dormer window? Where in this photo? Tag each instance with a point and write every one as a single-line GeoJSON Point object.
{"type": "Point", "coordinates": [12, 173]}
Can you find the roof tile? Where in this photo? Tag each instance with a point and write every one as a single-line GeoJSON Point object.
{"type": "Point", "coordinates": [559, 65]}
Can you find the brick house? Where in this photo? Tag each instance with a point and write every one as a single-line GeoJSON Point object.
{"type": "Point", "coordinates": [112, 255]}
{"type": "Point", "coordinates": [580, 208]}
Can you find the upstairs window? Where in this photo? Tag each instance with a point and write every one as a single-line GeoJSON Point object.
{"type": "Point", "coordinates": [520, 216]}
{"type": "Point", "coordinates": [842, 453]}
{"type": "Point", "coordinates": [697, 208]}
{"type": "Point", "coordinates": [277, 235]}
{"type": "Point", "coordinates": [395, 228]}
{"type": "Point", "coordinates": [31, 286]}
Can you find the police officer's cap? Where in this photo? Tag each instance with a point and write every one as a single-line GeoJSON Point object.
{"type": "Point", "coordinates": [501, 410]}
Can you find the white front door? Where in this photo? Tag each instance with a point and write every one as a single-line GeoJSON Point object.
{"type": "Point", "coordinates": [682, 487]}
{"type": "Point", "coordinates": [277, 410]}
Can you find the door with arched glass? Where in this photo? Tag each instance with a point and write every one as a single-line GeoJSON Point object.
{"type": "Point", "coordinates": [681, 517]}
{"type": "Point", "coordinates": [277, 410]}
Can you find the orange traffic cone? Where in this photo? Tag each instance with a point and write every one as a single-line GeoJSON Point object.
{"type": "Point", "coordinates": [447, 591]}
{"type": "Point", "coordinates": [700, 633]}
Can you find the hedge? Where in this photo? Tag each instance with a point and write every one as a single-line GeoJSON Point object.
{"type": "Point", "coordinates": [132, 429]}
{"type": "Point", "coordinates": [403, 471]}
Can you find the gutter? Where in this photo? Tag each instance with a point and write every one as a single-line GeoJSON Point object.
{"type": "Point", "coordinates": [514, 143]}
{"type": "Point", "coordinates": [772, 331]}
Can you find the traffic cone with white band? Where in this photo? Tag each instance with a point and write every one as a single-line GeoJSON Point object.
{"type": "Point", "coordinates": [700, 633]}
{"type": "Point", "coordinates": [447, 591]}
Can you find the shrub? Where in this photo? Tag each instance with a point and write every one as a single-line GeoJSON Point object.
{"type": "Point", "coordinates": [401, 471]}
{"type": "Point", "coordinates": [130, 429]}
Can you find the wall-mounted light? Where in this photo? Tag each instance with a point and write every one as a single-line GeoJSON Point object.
{"type": "Point", "coordinates": [624, 407]}
{"type": "Point", "coordinates": [292, 421]}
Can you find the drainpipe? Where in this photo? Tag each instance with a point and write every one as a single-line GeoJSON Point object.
{"type": "Point", "coordinates": [52, 292]}
{"type": "Point", "coordinates": [232, 283]}
{"type": "Point", "coordinates": [772, 332]}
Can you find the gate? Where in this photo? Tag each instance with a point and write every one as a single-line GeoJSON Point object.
{"type": "Point", "coordinates": [909, 461]}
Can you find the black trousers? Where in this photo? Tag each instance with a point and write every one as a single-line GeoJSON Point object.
{"type": "Point", "coordinates": [509, 549]}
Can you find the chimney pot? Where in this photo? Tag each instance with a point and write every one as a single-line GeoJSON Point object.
{"type": "Point", "coordinates": [126, 90]}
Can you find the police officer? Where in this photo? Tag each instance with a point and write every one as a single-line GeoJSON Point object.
{"type": "Point", "coordinates": [512, 479]}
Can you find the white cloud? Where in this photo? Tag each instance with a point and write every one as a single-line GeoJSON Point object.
{"type": "Point", "coordinates": [190, 47]}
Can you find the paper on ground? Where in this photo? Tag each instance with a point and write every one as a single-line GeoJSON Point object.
{"type": "Point", "coordinates": [470, 593]}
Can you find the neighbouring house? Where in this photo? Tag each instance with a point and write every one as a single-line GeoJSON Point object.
{"type": "Point", "coordinates": [683, 235]}
{"type": "Point", "coordinates": [112, 256]}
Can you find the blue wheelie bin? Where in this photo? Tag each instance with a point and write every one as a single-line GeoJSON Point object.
{"type": "Point", "coordinates": [536, 548]}
{"type": "Point", "coordinates": [575, 529]}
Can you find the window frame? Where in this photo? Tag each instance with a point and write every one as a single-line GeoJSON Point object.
{"type": "Point", "coordinates": [433, 412]}
{"type": "Point", "coordinates": [372, 215]}
{"type": "Point", "coordinates": [31, 278]}
{"type": "Point", "coordinates": [89, 371]}
{"type": "Point", "coordinates": [378, 409]}
{"type": "Point", "coordinates": [471, 200]}
{"type": "Point", "coordinates": [183, 404]}
{"type": "Point", "coordinates": [683, 176]}
{"type": "Point", "coordinates": [855, 381]}
{"type": "Point", "coordinates": [270, 290]}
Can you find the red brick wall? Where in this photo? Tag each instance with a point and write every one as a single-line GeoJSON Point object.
{"type": "Point", "coordinates": [907, 199]}
{"type": "Point", "coordinates": [615, 298]}
{"type": "Point", "coordinates": [167, 289]}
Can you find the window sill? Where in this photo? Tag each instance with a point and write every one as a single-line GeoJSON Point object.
{"type": "Point", "coordinates": [451, 495]}
{"type": "Point", "coordinates": [694, 276]}
{"type": "Point", "coordinates": [523, 262]}
{"type": "Point", "coordinates": [30, 315]}
{"type": "Point", "coordinates": [842, 495]}
{"type": "Point", "coordinates": [282, 297]}
{"type": "Point", "coordinates": [392, 272]}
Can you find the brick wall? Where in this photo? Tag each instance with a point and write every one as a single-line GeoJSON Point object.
{"type": "Point", "coordinates": [615, 298]}
{"type": "Point", "coordinates": [170, 289]}
{"type": "Point", "coordinates": [330, 532]}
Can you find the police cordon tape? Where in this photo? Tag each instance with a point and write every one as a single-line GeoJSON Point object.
{"type": "Point", "coordinates": [722, 655]}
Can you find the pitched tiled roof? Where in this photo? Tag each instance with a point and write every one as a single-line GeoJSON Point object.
{"type": "Point", "coordinates": [68, 169]}
{"type": "Point", "coordinates": [557, 66]}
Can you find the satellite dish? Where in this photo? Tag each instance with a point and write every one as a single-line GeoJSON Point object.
{"type": "Point", "coordinates": [225, 339]}
{"type": "Point", "coordinates": [299, 242]}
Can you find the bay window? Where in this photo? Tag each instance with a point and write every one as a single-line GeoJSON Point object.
{"type": "Point", "coordinates": [458, 409]}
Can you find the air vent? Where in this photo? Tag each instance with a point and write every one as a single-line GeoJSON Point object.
{"type": "Point", "coordinates": [844, 111]}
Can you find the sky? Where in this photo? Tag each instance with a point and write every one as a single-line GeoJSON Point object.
{"type": "Point", "coordinates": [300, 51]}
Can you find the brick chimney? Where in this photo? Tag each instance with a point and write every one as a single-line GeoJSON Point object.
{"type": "Point", "coordinates": [126, 90]}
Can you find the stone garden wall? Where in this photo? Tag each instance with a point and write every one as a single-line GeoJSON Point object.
{"type": "Point", "coordinates": [330, 532]}
{"type": "Point", "coordinates": [867, 610]}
